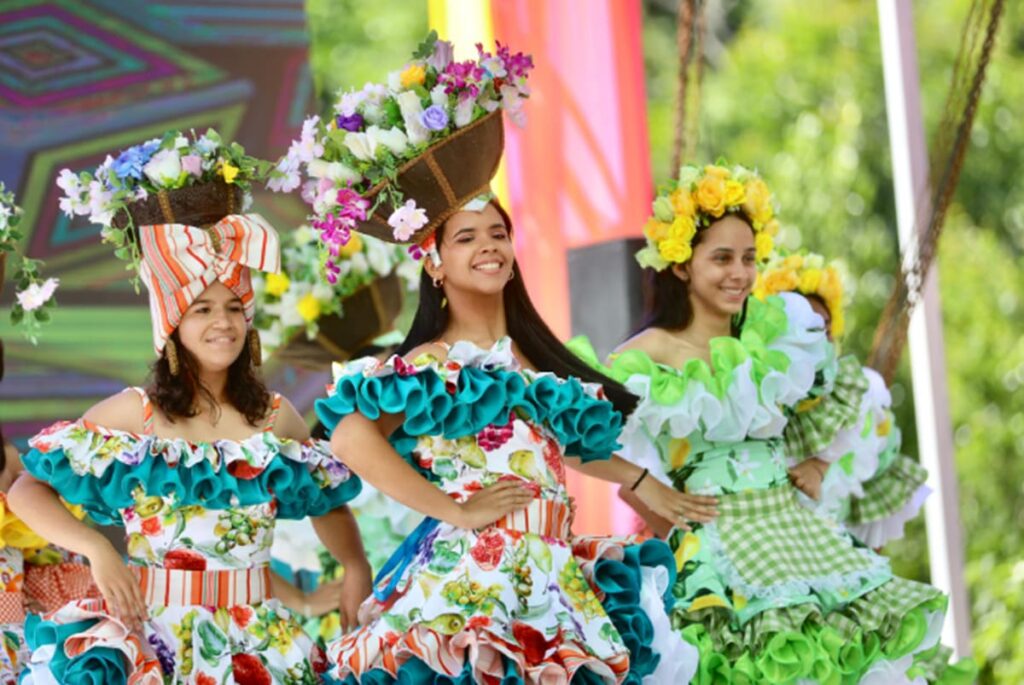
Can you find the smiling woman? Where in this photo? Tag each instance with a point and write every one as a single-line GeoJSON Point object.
{"type": "Point", "coordinates": [196, 468]}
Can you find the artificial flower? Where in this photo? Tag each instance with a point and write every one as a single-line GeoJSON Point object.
{"type": "Point", "coordinates": [277, 284]}
{"type": "Point", "coordinates": [37, 294]}
{"type": "Point", "coordinates": [414, 75]}
{"type": "Point", "coordinates": [163, 168]}
{"type": "Point", "coordinates": [308, 308]}
{"type": "Point", "coordinates": [229, 171]}
{"type": "Point", "coordinates": [406, 220]}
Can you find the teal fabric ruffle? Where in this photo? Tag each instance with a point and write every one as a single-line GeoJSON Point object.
{"type": "Point", "coordinates": [586, 426]}
{"type": "Point", "coordinates": [302, 487]}
{"type": "Point", "coordinates": [96, 666]}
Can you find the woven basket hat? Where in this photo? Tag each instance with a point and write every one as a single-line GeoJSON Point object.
{"type": "Point", "coordinates": [442, 179]}
{"type": "Point", "coordinates": [197, 205]}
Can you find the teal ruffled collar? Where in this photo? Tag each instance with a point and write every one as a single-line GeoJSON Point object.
{"type": "Point", "coordinates": [100, 468]}
{"type": "Point", "coordinates": [472, 388]}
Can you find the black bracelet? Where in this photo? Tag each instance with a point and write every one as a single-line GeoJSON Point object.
{"type": "Point", "coordinates": [639, 480]}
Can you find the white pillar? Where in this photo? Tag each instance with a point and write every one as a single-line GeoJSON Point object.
{"type": "Point", "coordinates": [927, 352]}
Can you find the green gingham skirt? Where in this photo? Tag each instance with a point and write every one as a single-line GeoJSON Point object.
{"type": "Point", "coordinates": [769, 579]}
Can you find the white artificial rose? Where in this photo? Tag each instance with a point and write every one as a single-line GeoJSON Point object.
{"type": "Point", "coordinates": [393, 139]}
{"type": "Point", "coordinates": [361, 145]}
{"type": "Point", "coordinates": [395, 81]}
{"type": "Point", "coordinates": [409, 104]}
{"type": "Point", "coordinates": [338, 172]}
{"type": "Point", "coordinates": [317, 168]}
{"type": "Point", "coordinates": [464, 112]}
{"type": "Point", "coordinates": [438, 96]}
{"type": "Point", "coordinates": [164, 167]}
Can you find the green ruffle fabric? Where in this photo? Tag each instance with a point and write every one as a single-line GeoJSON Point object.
{"type": "Point", "coordinates": [100, 469]}
{"type": "Point", "coordinates": [810, 431]}
{"type": "Point", "coordinates": [587, 427]}
{"type": "Point", "coordinates": [782, 646]}
{"type": "Point", "coordinates": [766, 321]}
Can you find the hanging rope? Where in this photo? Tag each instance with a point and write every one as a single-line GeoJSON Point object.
{"type": "Point", "coordinates": [947, 160]}
{"type": "Point", "coordinates": [690, 27]}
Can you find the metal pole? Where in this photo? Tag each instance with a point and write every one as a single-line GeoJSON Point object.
{"type": "Point", "coordinates": [925, 342]}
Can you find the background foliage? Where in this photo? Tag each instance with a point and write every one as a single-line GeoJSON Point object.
{"type": "Point", "coordinates": [799, 94]}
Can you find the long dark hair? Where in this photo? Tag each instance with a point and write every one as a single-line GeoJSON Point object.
{"type": "Point", "coordinates": [667, 297]}
{"type": "Point", "coordinates": [525, 327]}
{"type": "Point", "coordinates": [177, 395]}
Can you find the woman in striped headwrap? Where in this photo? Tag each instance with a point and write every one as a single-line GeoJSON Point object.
{"type": "Point", "coordinates": [196, 467]}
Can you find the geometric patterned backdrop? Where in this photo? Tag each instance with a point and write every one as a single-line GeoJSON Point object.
{"type": "Point", "coordinates": [83, 78]}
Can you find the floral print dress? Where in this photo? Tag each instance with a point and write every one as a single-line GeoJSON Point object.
{"type": "Point", "coordinates": [199, 521]}
{"type": "Point", "coordinates": [16, 539]}
{"type": "Point", "coordinates": [522, 600]}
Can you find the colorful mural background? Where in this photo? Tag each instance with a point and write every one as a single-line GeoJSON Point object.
{"type": "Point", "coordinates": [80, 79]}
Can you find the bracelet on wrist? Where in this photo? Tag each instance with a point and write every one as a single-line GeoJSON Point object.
{"type": "Point", "coordinates": [639, 480]}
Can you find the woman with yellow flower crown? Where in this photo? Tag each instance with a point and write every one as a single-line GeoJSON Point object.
{"type": "Point", "coordinates": [767, 590]}
{"type": "Point", "coordinates": [197, 466]}
{"type": "Point", "coordinates": [841, 442]}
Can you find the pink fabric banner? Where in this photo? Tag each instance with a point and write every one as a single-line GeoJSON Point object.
{"type": "Point", "coordinates": [579, 173]}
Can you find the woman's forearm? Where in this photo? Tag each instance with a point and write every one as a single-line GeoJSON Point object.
{"type": "Point", "coordinates": [38, 505]}
{"type": "Point", "coordinates": [614, 470]}
{"type": "Point", "coordinates": [339, 533]}
{"type": "Point", "coordinates": [360, 443]}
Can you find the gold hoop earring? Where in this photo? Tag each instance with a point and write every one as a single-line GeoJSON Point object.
{"type": "Point", "coordinates": [171, 355]}
{"type": "Point", "coordinates": [255, 348]}
{"type": "Point", "coordinates": [438, 282]}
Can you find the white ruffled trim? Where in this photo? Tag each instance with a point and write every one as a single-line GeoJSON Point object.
{"type": "Point", "coordinates": [832, 582]}
{"type": "Point", "coordinates": [878, 533]}
{"type": "Point", "coordinates": [679, 658]}
{"type": "Point", "coordinates": [747, 410]}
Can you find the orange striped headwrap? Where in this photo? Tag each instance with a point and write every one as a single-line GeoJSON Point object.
{"type": "Point", "coordinates": [179, 262]}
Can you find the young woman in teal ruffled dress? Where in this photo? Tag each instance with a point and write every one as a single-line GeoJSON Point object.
{"type": "Point", "coordinates": [196, 468]}
{"type": "Point", "coordinates": [769, 591]}
{"type": "Point", "coordinates": [473, 424]}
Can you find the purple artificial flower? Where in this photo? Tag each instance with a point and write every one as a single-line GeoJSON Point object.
{"type": "Point", "coordinates": [351, 122]}
{"type": "Point", "coordinates": [442, 56]}
{"type": "Point", "coordinates": [434, 118]}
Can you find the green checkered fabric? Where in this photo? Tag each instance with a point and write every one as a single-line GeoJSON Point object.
{"type": "Point", "coordinates": [771, 540]}
{"type": "Point", "coordinates": [810, 431]}
{"type": "Point", "coordinates": [888, 492]}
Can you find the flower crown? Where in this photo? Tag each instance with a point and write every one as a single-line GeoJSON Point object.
{"type": "Point", "coordinates": [33, 297]}
{"type": "Point", "coordinates": [698, 198]}
{"type": "Point", "coordinates": [807, 274]}
{"type": "Point", "coordinates": [376, 131]}
{"type": "Point", "coordinates": [169, 163]}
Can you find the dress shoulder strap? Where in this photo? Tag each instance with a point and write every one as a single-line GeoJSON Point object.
{"type": "Point", "coordinates": [275, 407]}
{"type": "Point", "coordinates": [147, 410]}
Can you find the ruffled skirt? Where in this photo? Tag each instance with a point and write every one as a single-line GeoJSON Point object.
{"type": "Point", "coordinates": [772, 593]}
{"type": "Point", "coordinates": [83, 643]}
{"type": "Point", "coordinates": [507, 606]}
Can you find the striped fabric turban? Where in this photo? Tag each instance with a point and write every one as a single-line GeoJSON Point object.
{"type": "Point", "coordinates": [179, 262]}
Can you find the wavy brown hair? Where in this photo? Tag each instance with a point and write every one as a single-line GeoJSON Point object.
{"type": "Point", "coordinates": [178, 396]}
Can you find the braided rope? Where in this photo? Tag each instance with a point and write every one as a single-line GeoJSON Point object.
{"type": "Point", "coordinates": [891, 334]}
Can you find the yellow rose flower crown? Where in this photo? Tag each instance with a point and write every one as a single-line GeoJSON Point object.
{"type": "Point", "coordinates": [699, 197]}
{"type": "Point", "coordinates": [807, 274]}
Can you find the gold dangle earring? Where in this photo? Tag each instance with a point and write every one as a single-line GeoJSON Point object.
{"type": "Point", "coordinates": [171, 354]}
{"type": "Point", "coordinates": [255, 348]}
